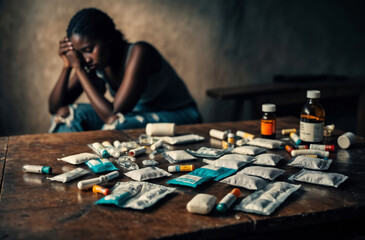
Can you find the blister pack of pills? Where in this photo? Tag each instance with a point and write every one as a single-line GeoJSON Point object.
{"type": "Point", "coordinates": [264, 201]}
{"type": "Point", "coordinates": [136, 195]}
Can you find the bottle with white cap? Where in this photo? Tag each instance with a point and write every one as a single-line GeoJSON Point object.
{"type": "Point", "coordinates": [312, 119]}
{"type": "Point", "coordinates": [268, 121]}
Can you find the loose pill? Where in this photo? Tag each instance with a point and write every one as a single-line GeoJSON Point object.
{"type": "Point", "coordinates": [245, 135]}
{"type": "Point", "coordinates": [295, 138]}
{"type": "Point", "coordinates": [137, 151]}
{"type": "Point", "coordinates": [289, 148]}
{"type": "Point", "coordinates": [218, 134]}
{"type": "Point", "coordinates": [228, 200]}
{"type": "Point", "coordinates": [323, 147]}
{"type": "Point", "coordinates": [181, 168]}
{"type": "Point", "coordinates": [37, 169]}
{"type": "Point", "coordinates": [288, 131]}
{"type": "Point", "coordinates": [100, 189]}
{"type": "Point", "coordinates": [231, 138]}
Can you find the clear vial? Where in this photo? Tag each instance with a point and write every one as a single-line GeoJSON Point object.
{"type": "Point", "coordinates": [268, 121]}
{"type": "Point", "coordinates": [312, 119]}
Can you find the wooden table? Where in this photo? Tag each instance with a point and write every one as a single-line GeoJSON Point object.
{"type": "Point", "coordinates": [33, 207]}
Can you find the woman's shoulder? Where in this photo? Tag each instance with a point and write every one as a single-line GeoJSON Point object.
{"type": "Point", "coordinates": [144, 47]}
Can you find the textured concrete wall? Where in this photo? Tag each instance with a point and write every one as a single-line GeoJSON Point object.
{"type": "Point", "coordinates": [211, 43]}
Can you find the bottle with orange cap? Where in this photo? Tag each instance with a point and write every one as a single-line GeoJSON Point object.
{"type": "Point", "coordinates": [228, 200]}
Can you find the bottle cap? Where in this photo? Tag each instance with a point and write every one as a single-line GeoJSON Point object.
{"type": "Point", "coordinates": [313, 94]}
{"type": "Point", "coordinates": [47, 170]}
{"type": "Point", "coordinates": [268, 107]}
{"type": "Point", "coordinates": [236, 192]}
{"type": "Point", "coordinates": [221, 207]}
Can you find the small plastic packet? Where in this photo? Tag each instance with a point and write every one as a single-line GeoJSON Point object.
{"type": "Point", "coordinates": [149, 162]}
{"type": "Point", "coordinates": [101, 165]}
{"type": "Point", "coordinates": [205, 152]}
{"type": "Point", "coordinates": [79, 158]}
{"type": "Point", "coordinates": [177, 156]}
{"type": "Point", "coordinates": [312, 163]}
{"type": "Point", "coordinates": [126, 165]}
{"type": "Point", "coordinates": [189, 180]}
{"type": "Point", "coordinates": [216, 172]}
{"type": "Point", "coordinates": [232, 160]}
{"type": "Point", "coordinates": [264, 201]}
{"type": "Point", "coordinates": [147, 173]}
{"type": "Point", "coordinates": [249, 150]}
{"type": "Point", "coordinates": [183, 139]}
{"type": "Point", "coordinates": [266, 143]}
{"type": "Point", "coordinates": [263, 172]}
{"type": "Point", "coordinates": [99, 149]}
{"type": "Point", "coordinates": [140, 195]}
{"type": "Point", "coordinates": [70, 175]}
{"type": "Point", "coordinates": [201, 203]}
{"type": "Point", "coordinates": [267, 159]}
{"type": "Point", "coordinates": [318, 177]}
{"type": "Point", "coordinates": [120, 194]}
{"type": "Point", "coordinates": [245, 181]}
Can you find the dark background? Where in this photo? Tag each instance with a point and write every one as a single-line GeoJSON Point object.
{"type": "Point", "coordinates": [211, 43]}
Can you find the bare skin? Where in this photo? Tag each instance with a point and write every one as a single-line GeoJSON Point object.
{"type": "Point", "coordinates": [78, 52]}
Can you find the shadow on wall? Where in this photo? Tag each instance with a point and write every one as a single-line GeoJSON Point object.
{"type": "Point", "coordinates": [211, 44]}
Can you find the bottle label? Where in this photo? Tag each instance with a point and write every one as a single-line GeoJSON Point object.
{"type": "Point", "coordinates": [311, 132]}
{"type": "Point", "coordinates": [268, 128]}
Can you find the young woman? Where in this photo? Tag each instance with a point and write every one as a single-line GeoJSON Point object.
{"type": "Point", "coordinates": [145, 88]}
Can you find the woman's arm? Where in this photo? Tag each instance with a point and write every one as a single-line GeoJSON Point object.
{"type": "Point", "coordinates": [142, 60]}
{"type": "Point", "coordinates": [65, 91]}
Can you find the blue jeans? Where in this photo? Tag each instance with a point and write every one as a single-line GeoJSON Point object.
{"type": "Point", "coordinates": [84, 118]}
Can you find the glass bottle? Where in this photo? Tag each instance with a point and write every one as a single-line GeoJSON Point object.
{"type": "Point", "coordinates": [312, 119]}
{"type": "Point", "coordinates": [268, 121]}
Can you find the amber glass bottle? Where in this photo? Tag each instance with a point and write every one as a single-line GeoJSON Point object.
{"type": "Point", "coordinates": [312, 119]}
{"type": "Point", "coordinates": [268, 121]}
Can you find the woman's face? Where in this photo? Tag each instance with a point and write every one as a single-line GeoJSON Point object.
{"type": "Point", "coordinates": [95, 52]}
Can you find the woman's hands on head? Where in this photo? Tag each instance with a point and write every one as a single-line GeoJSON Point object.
{"type": "Point", "coordinates": [71, 58]}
